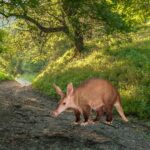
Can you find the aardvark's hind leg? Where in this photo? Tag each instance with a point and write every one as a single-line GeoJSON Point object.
{"type": "Point", "coordinates": [109, 116]}
{"type": "Point", "coordinates": [99, 113]}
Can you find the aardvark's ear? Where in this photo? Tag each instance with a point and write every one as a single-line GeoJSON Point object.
{"type": "Point", "coordinates": [70, 89]}
{"type": "Point", "coordinates": [58, 90]}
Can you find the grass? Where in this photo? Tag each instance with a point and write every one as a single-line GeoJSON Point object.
{"type": "Point", "coordinates": [123, 61]}
{"type": "Point", "coordinates": [4, 76]}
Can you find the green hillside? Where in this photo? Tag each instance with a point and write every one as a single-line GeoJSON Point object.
{"type": "Point", "coordinates": [122, 59]}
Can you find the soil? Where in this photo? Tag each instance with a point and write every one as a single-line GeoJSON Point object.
{"type": "Point", "coordinates": [25, 124]}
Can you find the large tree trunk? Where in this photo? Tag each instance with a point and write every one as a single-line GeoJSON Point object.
{"type": "Point", "coordinates": [73, 24]}
{"type": "Point", "coordinates": [78, 41]}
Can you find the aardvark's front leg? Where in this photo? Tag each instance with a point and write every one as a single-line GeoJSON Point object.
{"type": "Point", "coordinates": [86, 113]}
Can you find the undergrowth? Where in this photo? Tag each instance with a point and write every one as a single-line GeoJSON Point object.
{"type": "Point", "coordinates": [3, 74]}
{"type": "Point", "coordinates": [123, 61]}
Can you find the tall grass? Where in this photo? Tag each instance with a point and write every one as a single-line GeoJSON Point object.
{"type": "Point", "coordinates": [123, 61]}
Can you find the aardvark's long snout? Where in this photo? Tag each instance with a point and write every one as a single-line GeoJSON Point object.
{"type": "Point", "coordinates": [54, 114]}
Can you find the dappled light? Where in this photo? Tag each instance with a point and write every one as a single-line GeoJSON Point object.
{"type": "Point", "coordinates": [23, 82]}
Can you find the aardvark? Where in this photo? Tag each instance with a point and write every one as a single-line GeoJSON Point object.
{"type": "Point", "coordinates": [94, 94]}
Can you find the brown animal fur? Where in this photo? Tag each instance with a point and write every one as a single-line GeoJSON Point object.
{"type": "Point", "coordinates": [94, 94]}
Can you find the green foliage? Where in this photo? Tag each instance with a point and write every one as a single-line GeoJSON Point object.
{"type": "Point", "coordinates": [3, 41]}
{"type": "Point", "coordinates": [55, 67]}
{"type": "Point", "coordinates": [32, 52]}
{"type": "Point", "coordinates": [77, 19]}
{"type": "Point", "coordinates": [125, 64]}
{"type": "Point", "coordinates": [106, 11]}
{"type": "Point", "coordinates": [3, 62]}
{"type": "Point", "coordinates": [3, 74]}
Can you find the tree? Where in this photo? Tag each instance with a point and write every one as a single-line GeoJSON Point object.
{"type": "Point", "coordinates": [73, 18]}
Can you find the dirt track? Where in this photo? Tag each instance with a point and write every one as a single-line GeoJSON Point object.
{"type": "Point", "coordinates": [25, 125]}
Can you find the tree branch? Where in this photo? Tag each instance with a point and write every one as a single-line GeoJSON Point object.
{"type": "Point", "coordinates": [35, 22]}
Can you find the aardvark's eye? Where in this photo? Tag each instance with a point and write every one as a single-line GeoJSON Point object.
{"type": "Point", "coordinates": [64, 103]}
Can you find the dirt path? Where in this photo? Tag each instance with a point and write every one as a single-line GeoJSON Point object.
{"type": "Point", "coordinates": [25, 125]}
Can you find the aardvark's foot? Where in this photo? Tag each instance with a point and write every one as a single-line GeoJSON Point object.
{"type": "Point", "coordinates": [76, 123]}
{"type": "Point", "coordinates": [108, 122]}
{"type": "Point", "coordinates": [87, 123]}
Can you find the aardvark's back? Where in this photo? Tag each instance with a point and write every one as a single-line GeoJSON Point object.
{"type": "Point", "coordinates": [96, 92]}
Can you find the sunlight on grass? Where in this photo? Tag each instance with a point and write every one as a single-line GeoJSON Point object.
{"type": "Point", "coordinates": [28, 76]}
